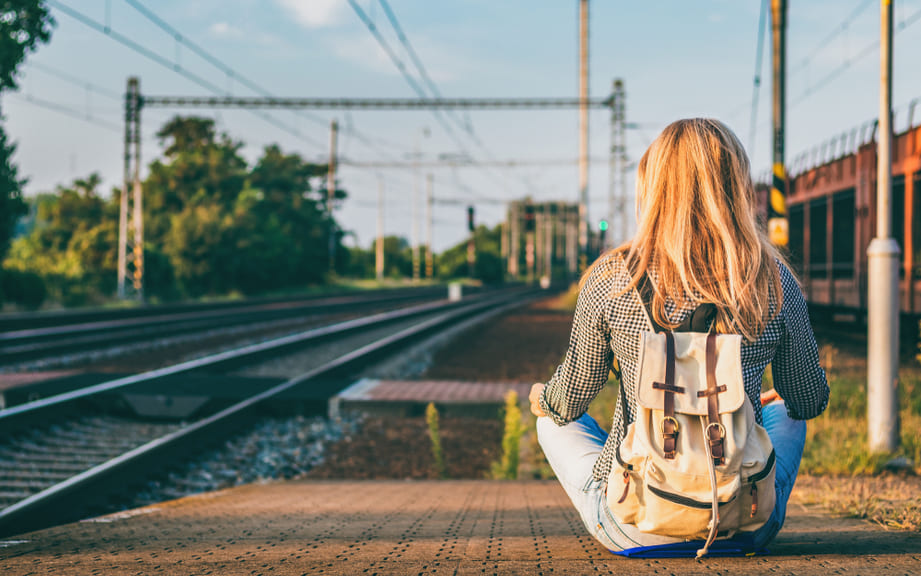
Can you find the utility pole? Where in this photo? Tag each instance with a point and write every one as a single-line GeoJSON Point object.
{"type": "Point", "coordinates": [331, 192]}
{"type": "Point", "coordinates": [430, 200]}
{"type": "Point", "coordinates": [548, 243]}
{"type": "Point", "coordinates": [883, 262]}
{"type": "Point", "coordinates": [539, 240]}
{"type": "Point", "coordinates": [415, 211]}
{"type": "Point", "coordinates": [130, 220]}
{"type": "Point", "coordinates": [471, 244]}
{"type": "Point", "coordinates": [777, 207]}
{"type": "Point", "coordinates": [514, 247]}
{"type": "Point", "coordinates": [617, 201]}
{"type": "Point", "coordinates": [379, 247]}
{"type": "Point", "coordinates": [583, 134]}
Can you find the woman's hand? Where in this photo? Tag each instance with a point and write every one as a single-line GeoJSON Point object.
{"type": "Point", "coordinates": [534, 397]}
{"type": "Point", "coordinates": [769, 396]}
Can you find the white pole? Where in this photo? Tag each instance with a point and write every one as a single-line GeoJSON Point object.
{"type": "Point", "coordinates": [883, 262]}
{"type": "Point", "coordinates": [379, 248]}
{"type": "Point", "coordinates": [430, 223]}
{"type": "Point", "coordinates": [583, 134]}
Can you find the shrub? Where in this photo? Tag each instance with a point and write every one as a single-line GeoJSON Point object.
{"type": "Point", "coordinates": [507, 467]}
{"type": "Point", "coordinates": [26, 289]}
{"type": "Point", "coordinates": [431, 418]}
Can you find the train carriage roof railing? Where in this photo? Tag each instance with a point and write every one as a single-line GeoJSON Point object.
{"type": "Point", "coordinates": [844, 144]}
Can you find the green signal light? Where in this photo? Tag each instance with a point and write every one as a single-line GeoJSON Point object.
{"type": "Point", "coordinates": [603, 225]}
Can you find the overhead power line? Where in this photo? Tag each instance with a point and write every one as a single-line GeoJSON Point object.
{"type": "Point", "coordinates": [759, 55]}
{"type": "Point", "coordinates": [174, 66]}
{"type": "Point", "coordinates": [842, 27]}
{"type": "Point", "coordinates": [868, 49]}
{"type": "Point", "coordinates": [89, 86]}
{"type": "Point", "coordinates": [67, 111]}
{"type": "Point", "coordinates": [231, 73]}
{"type": "Point", "coordinates": [521, 163]}
{"type": "Point", "coordinates": [208, 57]}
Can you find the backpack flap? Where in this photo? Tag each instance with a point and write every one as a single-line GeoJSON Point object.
{"type": "Point", "coordinates": [690, 371]}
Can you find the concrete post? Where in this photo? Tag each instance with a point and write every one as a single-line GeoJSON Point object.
{"type": "Point", "coordinates": [883, 262]}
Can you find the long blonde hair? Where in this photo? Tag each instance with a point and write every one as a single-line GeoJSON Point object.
{"type": "Point", "coordinates": [697, 230]}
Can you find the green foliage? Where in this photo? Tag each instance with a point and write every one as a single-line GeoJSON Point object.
{"type": "Point", "coordinates": [223, 227]}
{"type": "Point", "coordinates": [398, 263]}
{"type": "Point", "coordinates": [507, 467]}
{"type": "Point", "coordinates": [11, 204]}
{"type": "Point", "coordinates": [27, 289]}
{"type": "Point", "coordinates": [72, 245]}
{"type": "Point", "coordinates": [488, 265]}
{"type": "Point", "coordinates": [431, 419]}
{"type": "Point", "coordinates": [23, 25]}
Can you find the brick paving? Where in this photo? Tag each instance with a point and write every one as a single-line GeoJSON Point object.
{"type": "Point", "coordinates": [425, 527]}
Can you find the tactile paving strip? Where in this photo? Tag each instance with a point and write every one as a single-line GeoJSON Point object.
{"type": "Point", "coordinates": [395, 527]}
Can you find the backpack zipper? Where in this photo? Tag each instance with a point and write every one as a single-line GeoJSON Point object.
{"type": "Point", "coordinates": [684, 500]}
{"type": "Point", "coordinates": [754, 478]}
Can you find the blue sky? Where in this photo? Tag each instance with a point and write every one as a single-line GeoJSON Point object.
{"type": "Point", "coordinates": [677, 58]}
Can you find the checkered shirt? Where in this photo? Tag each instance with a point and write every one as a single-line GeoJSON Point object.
{"type": "Point", "coordinates": [607, 326]}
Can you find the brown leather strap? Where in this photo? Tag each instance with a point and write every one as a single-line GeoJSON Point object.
{"type": "Point", "coordinates": [669, 429]}
{"type": "Point", "coordinates": [661, 386]}
{"type": "Point", "coordinates": [708, 391]}
{"type": "Point", "coordinates": [714, 428]}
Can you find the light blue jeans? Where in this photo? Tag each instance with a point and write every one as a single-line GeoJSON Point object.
{"type": "Point", "coordinates": [573, 449]}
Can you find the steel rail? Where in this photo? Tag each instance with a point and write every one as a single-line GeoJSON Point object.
{"type": "Point", "coordinates": [14, 322]}
{"type": "Point", "coordinates": [18, 327]}
{"type": "Point", "coordinates": [24, 415]}
{"type": "Point", "coordinates": [28, 344]}
{"type": "Point", "coordinates": [53, 505]}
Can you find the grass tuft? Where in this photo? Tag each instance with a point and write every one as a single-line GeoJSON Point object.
{"type": "Point", "coordinates": [507, 467]}
{"type": "Point", "coordinates": [431, 419]}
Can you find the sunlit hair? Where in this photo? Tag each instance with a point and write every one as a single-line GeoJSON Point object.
{"type": "Point", "coordinates": [697, 229]}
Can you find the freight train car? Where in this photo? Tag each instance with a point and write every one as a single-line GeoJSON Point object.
{"type": "Point", "coordinates": [831, 204]}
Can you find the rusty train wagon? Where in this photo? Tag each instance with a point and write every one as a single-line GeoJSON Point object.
{"type": "Point", "coordinates": [832, 217]}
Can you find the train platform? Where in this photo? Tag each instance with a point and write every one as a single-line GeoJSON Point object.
{"type": "Point", "coordinates": [420, 527]}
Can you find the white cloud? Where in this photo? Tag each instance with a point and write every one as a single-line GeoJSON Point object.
{"type": "Point", "coordinates": [315, 13]}
{"type": "Point", "coordinates": [225, 30]}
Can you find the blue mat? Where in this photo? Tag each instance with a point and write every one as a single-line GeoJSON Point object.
{"type": "Point", "coordinates": [720, 548]}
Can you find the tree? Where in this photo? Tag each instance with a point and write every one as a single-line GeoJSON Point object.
{"type": "Point", "coordinates": [224, 227]}
{"type": "Point", "coordinates": [488, 267]}
{"type": "Point", "coordinates": [73, 243]}
{"type": "Point", "coordinates": [23, 25]}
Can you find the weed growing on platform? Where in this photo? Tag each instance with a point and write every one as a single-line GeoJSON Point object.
{"type": "Point", "coordinates": [507, 467]}
{"type": "Point", "coordinates": [431, 419]}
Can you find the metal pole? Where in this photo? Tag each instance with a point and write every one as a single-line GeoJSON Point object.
{"type": "Point", "coordinates": [583, 134]}
{"type": "Point", "coordinates": [138, 202]}
{"type": "Point", "coordinates": [514, 249]}
{"type": "Point", "coordinates": [548, 245]}
{"type": "Point", "coordinates": [430, 223]}
{"type": "Point", "coordinates": [777, 207]}
{"type": "Point", "coordinates": [415, 210]}
{"type": "Point", "coordinates": [379, 247]}
{"type": "Point", "coordinates": [123, 201]}
{"type": "Point", "coordinates": [883, 262]}
{"type": "Point", "coordinates": [331, 193]}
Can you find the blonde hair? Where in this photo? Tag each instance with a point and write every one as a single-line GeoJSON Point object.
{"type": "Point", "coordinates": [697, 229]}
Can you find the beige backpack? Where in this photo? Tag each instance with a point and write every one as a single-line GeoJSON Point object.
{"type": "Point", "coordinates": [694, 463]}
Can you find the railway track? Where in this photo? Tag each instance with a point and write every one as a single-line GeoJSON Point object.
{"type": "Point", "coordinates": [51, 474]}
{"type": "Point", "coordinates": [74, 333]}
